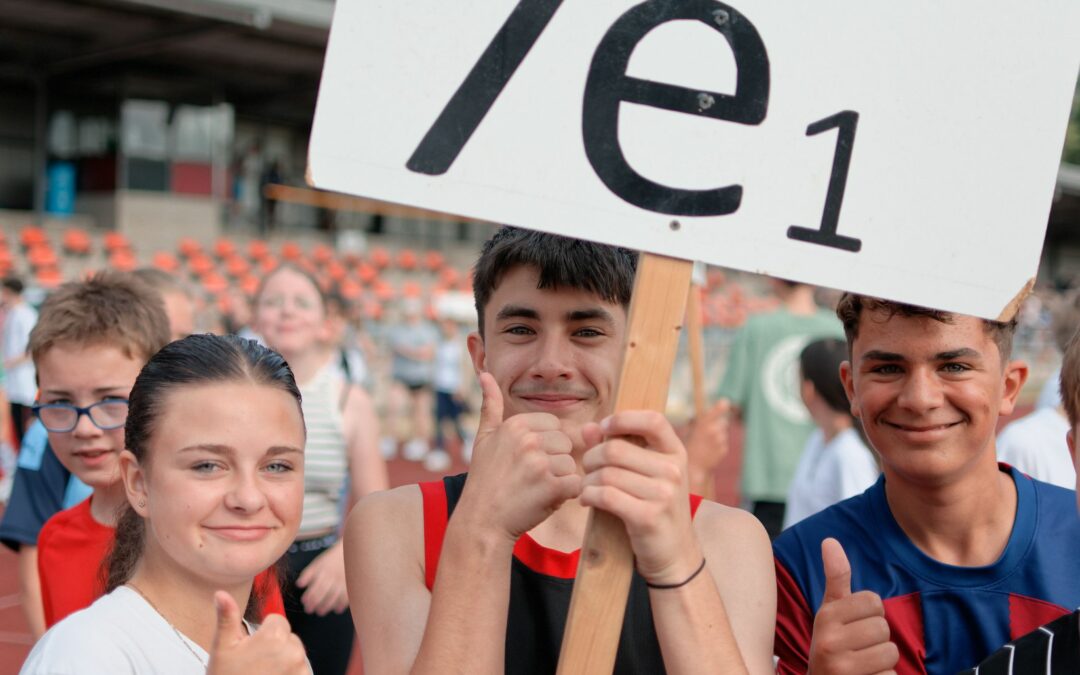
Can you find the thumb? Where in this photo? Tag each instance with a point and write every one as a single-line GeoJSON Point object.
{"type": "Point", "coordinates": [722, 408]}
{"type": "Point", "coordinates": [837, 571]}
{"type": "Point", "coordinates": [491, 410]}
{"type": "Point", "coordinates": [230, 629]}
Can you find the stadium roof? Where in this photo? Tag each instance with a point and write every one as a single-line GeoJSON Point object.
{"type": "Point", "coordinates": [262, 56]}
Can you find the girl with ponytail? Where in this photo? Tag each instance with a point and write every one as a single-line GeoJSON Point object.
{"type": "Point", "coordinates": [214, 479]}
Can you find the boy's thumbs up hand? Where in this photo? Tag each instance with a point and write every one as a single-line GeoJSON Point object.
{"type": "Point", "coordinates": [271, 650]}
{"type": "Point", "coordinates": [851, 635]}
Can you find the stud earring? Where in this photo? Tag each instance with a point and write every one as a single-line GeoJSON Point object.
{"type": "Point", "coordinates": [142, 503]}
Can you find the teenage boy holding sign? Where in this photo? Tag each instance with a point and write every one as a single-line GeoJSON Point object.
{"type": "Point", "coordinates": [949, 554]}
{"type": "Point", "coordinates": [475, 576]}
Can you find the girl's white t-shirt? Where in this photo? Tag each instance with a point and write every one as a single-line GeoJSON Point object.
{"type": "Point", "coordinates": [829, 473]}
{"type": "Point", "coordinates": [120, 633]}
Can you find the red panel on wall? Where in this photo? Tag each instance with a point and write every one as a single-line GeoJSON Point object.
{"type": "Point", "coordinates": [190, 178]}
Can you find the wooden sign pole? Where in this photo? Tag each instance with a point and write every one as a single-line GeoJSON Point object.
{"type": "Point", "coordinates": [696, 349]}
{"type": "Point", "coordinates": [597, 606]}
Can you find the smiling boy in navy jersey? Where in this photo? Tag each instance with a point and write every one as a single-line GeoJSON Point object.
{"type": "Point", "coordinates": [949, 554]}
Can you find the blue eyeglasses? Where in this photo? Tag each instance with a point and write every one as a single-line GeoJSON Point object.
{"type": "Point", "coordinates": [63, 417]}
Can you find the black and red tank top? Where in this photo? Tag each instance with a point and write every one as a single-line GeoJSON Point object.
{"type": "Point", "coordinates": [541, 582]}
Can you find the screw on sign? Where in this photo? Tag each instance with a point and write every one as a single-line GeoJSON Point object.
{"type": "Point", "coordinates": [608, 86]}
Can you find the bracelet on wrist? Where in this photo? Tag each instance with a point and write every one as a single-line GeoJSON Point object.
{"type": "Point", "coordinates": [665, 587]}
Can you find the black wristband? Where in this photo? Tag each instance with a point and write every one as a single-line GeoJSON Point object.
{"type": "Point", "coordinates": [665, 587]}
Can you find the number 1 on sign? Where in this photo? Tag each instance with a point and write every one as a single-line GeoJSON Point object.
{"type": "Point", "coordinates": [846, 122]}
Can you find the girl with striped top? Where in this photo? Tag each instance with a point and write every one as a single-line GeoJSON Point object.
{"type": "Point", "coordinates": [341, 451]}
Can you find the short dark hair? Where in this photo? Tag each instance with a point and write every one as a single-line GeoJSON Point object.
{"type": "Point", "coordinates": [819, 363]}
{"type": "Point", "coordinates": [851, 307]}
{"type": "Point", "coordinates": [1070, 380]}
{"type": "Point", "coordinates": [562, 262]}
{"type": "Point", "coordinates": [13, 284]}
{"type": "Point", "coordinates": [191, 361]}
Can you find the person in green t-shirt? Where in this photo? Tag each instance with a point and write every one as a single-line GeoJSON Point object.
{"type": "Point", "coordinates": [762, 384]}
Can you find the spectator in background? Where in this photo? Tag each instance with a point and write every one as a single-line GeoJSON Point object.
{"type": "Point", "coordinates": [20, 381]}
{"type": "Point", "coordinates": [835, 464]}
{"type": "Point", "coordinates": [449, 383]}
{"type": "Point", "coordinates": [1035, 443]}
{"type": "Point", "coordinates": [237, 318]}
{"type": "Point", "coordinates": [179, 304]}
{"type": "Point", "coordinates": [344, 341]}
{"type": "Point", "coordinates": [762, 383]}
{"type": "Point", "coordinates": [412, 343]}
{"type": "Point", "coordinates": [341, 449]}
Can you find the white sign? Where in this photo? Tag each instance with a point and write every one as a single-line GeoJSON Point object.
{"type": "Point", "coordinates": [905, 150]}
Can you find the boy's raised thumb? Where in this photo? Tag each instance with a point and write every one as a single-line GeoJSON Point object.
{"type": "Point", "coordinates": [491, 410]}
{"type": "Point", "coordinates": [837, 571]}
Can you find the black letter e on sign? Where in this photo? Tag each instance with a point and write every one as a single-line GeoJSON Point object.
{"type": "Point", "coordinates": [608, 86]}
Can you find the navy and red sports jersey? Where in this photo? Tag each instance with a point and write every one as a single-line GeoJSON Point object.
{"type": "Point", "coordinates": [942, 618]}
{"type": "Point", "coordinates": [541, 582]}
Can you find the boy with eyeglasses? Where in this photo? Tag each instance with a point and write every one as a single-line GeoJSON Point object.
{"type": "Point", "coordinates": [91, 340]}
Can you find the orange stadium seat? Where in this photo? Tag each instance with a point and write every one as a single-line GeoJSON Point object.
{"type": "Point", "coordinates": [48, 277]}
{"type": "Point", "coordinates": [349, 289]}
{"type": "Point", "coordinates": [223, 248]}
{"type": "Point", "coordinates": [166, 262]}
{"type": "Point", "coordinates": [249, 284]}
{"type": "Point", "coordinates": [268, 263]}
{"type": "Point", "coordinates": [258, 249]}
{"type": "Point", "coordinates": [380, 258]}
{"type": "Point", "coordinates": [31, 236]}
{"type": "Point", "coordinates": [366, 273]}
{"type": "Point", "coordinates": [76, 241]}
{"type": "Point", "coordinates": [200, 264]}
{"type": "Point", "coordinates": [188, 247]}
{"type": "Point", "coordinates": [406, 259]}
{"type": "Point", "coordinates": [336, 271]}
{"type": "Point", "coordinates": [411, 289]}
{"type": "Point", "coordinates": [434, 261]}
{"type": "Point", "coordinates": [291, 251]}
{"type": "Point", "coordinates": [322, 254]}
{"type": "Point", "coordinates": [214, 284]}
{"type": "Point", "coordinates": [383, 291]}
{"type": "Point", "coordinates": [123, 260]}
{"type": "Point", "coordinates": [236, 266]}
{"type": "Point", "coordinates": [114, 241]}
{"type": "Point", "coordinates": [449, 276]}
{"type": "Point", "coordinates": [41, 255]}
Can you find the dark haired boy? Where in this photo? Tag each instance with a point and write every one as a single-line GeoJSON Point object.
{"type": "Point", "coordinates": [949, 554]}
{"type": "Point", "coordinates": [1053, 649]}
{"type": "Point", "coordinates": [475, 576]}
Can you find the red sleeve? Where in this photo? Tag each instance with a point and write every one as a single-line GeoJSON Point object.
{"type": "Point", "coordinates": [794, 625]}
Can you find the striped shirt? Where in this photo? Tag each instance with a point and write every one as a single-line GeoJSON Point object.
{"type": "Point", "coordinates": [1053, 649]}
{"type": "Point", "coordinates": [326, 465]}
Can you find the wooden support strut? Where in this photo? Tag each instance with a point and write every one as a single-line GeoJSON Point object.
{"type": "Point", "coordinates": [606, 565]}
{"type": "Point", "coordinates": [695, 345]}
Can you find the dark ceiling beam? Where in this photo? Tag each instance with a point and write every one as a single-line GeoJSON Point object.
{"type": "Point", "coordinates": [116, 53]}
